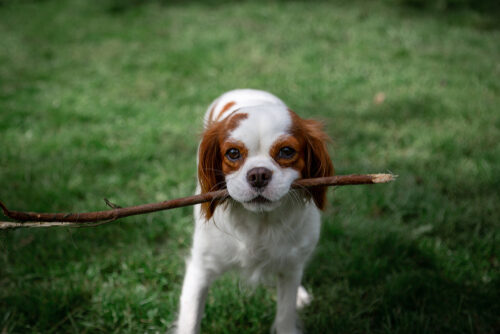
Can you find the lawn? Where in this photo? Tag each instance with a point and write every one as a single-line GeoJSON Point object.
{"type": "Point", "coordinates": [104, 99]}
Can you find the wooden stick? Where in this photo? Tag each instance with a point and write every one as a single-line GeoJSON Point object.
{"type": "Point", "coordinates": [35, 219]}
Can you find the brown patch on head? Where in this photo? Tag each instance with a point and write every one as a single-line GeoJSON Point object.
{"type": "Point", "coordinates": [211, 113]}
{"type": "Point", "coordinates": [212, 165]}
{"type": "Point", "coordinates": [312, 158]}
{"type": "Point", "coordinates": [226, 107]}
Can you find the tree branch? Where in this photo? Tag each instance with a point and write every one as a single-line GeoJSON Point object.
{"type": "Point", "coordinates": [35, 219]}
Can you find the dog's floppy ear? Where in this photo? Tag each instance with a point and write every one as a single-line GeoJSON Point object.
{"type": "Point", "coordinates": [316, 158]}
{"type": "Point", "coordinates": [210, 173]}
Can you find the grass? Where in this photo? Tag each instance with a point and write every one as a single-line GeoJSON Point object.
{"type": "Point", "coordinates": [105, 99]}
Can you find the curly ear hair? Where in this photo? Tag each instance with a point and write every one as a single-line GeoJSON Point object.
{"type": "Point", "coordinates": [316, 157]}
{"type": "Point", "coordinates": [210, 173]}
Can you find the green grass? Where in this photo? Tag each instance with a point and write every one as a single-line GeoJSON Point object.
{"type": "Point", "coordinates": [105, 99]}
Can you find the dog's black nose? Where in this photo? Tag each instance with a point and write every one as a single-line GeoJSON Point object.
{"type": "Point", "coordinates": [259, 177]}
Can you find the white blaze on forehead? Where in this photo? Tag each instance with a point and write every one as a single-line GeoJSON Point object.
{"type": "Point", "coordinates": [262, 127]}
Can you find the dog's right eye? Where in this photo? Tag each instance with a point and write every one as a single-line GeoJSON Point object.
{"type": "Point", "coordinates": [233, 154]}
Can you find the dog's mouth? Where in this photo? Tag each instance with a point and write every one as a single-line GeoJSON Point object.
{"type": "Point", "coordinates": [261, 204]}
{"type": "Point", "coordinates": [259, 200]}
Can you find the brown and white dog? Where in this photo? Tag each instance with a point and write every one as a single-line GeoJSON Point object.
{"type": "Point", "coordinates": [256, 147]}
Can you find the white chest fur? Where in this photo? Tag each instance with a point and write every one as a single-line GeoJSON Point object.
{"type": "Point", "coordinates": [258, 244]}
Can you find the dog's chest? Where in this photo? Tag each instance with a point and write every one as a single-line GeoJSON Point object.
{"type": "Point", "coordinates": [264, 247]}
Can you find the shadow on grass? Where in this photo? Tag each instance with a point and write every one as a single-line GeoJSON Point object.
{"type": "Point", "coordinates": [49, 309]}
{"type": "Point", "coordinates": [448, 5]}
{"type": "Point", "coordinates": [382, 281]}
{"type": "Point", "coordinates": [487, 12]}
{"type": "Point", "coordinates": [482, 14]}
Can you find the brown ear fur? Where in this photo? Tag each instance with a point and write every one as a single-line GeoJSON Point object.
{"type": "Point", "coordinates": [210, 173]}
{"type": "Point", "coordinates": [316, 157]}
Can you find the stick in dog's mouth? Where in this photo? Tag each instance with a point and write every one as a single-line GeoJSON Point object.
{"type": "Point", "coordinates": [35, 219]}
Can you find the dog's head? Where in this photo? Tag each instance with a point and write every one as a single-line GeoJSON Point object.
{"type": "Point", "coordinates": [257, 153]}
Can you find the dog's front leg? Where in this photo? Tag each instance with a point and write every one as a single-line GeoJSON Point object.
{"type": "Point", "coordinates": [194, 292]}
{"type": "Point", "coordinates": [286, 315]}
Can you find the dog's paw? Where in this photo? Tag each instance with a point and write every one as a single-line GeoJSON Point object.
{"type": "Point", "coordinates": [303, 298]}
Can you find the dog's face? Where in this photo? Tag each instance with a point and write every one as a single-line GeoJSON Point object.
{"type": "Point", "coordinates": [257, 153]}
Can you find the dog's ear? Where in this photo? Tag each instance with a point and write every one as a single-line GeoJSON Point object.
{"type": "Point", "coordinates": [210, 173]}
{"type": "Point", "coordinates": [316, 158]}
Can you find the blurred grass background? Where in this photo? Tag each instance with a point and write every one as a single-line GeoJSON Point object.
{"type": "Point", "coordinates": [105, 99]}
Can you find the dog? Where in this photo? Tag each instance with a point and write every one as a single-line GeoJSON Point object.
{"type": "Point", "coordinates": [255, 147]}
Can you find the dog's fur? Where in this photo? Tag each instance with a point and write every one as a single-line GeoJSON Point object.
{"type": "Point", "coordinates": [254, 146]}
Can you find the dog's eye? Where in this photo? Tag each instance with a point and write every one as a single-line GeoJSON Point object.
{"type": "Point", "coordinates": [233, 154]}
{"type": "Point", "coordinates": [286, 153]}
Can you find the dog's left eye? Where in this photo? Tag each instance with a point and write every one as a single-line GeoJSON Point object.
{"type": "Point", "coordinates": [286, 153]}
{"type": "Point", "coordinates": [233, 154]}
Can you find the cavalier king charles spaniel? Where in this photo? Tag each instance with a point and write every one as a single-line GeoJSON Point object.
{"type": "Point", "coordinates": [256, 147]}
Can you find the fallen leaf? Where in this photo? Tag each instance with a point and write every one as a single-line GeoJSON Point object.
{"type": "Point", "coordinates": [379, 98]}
